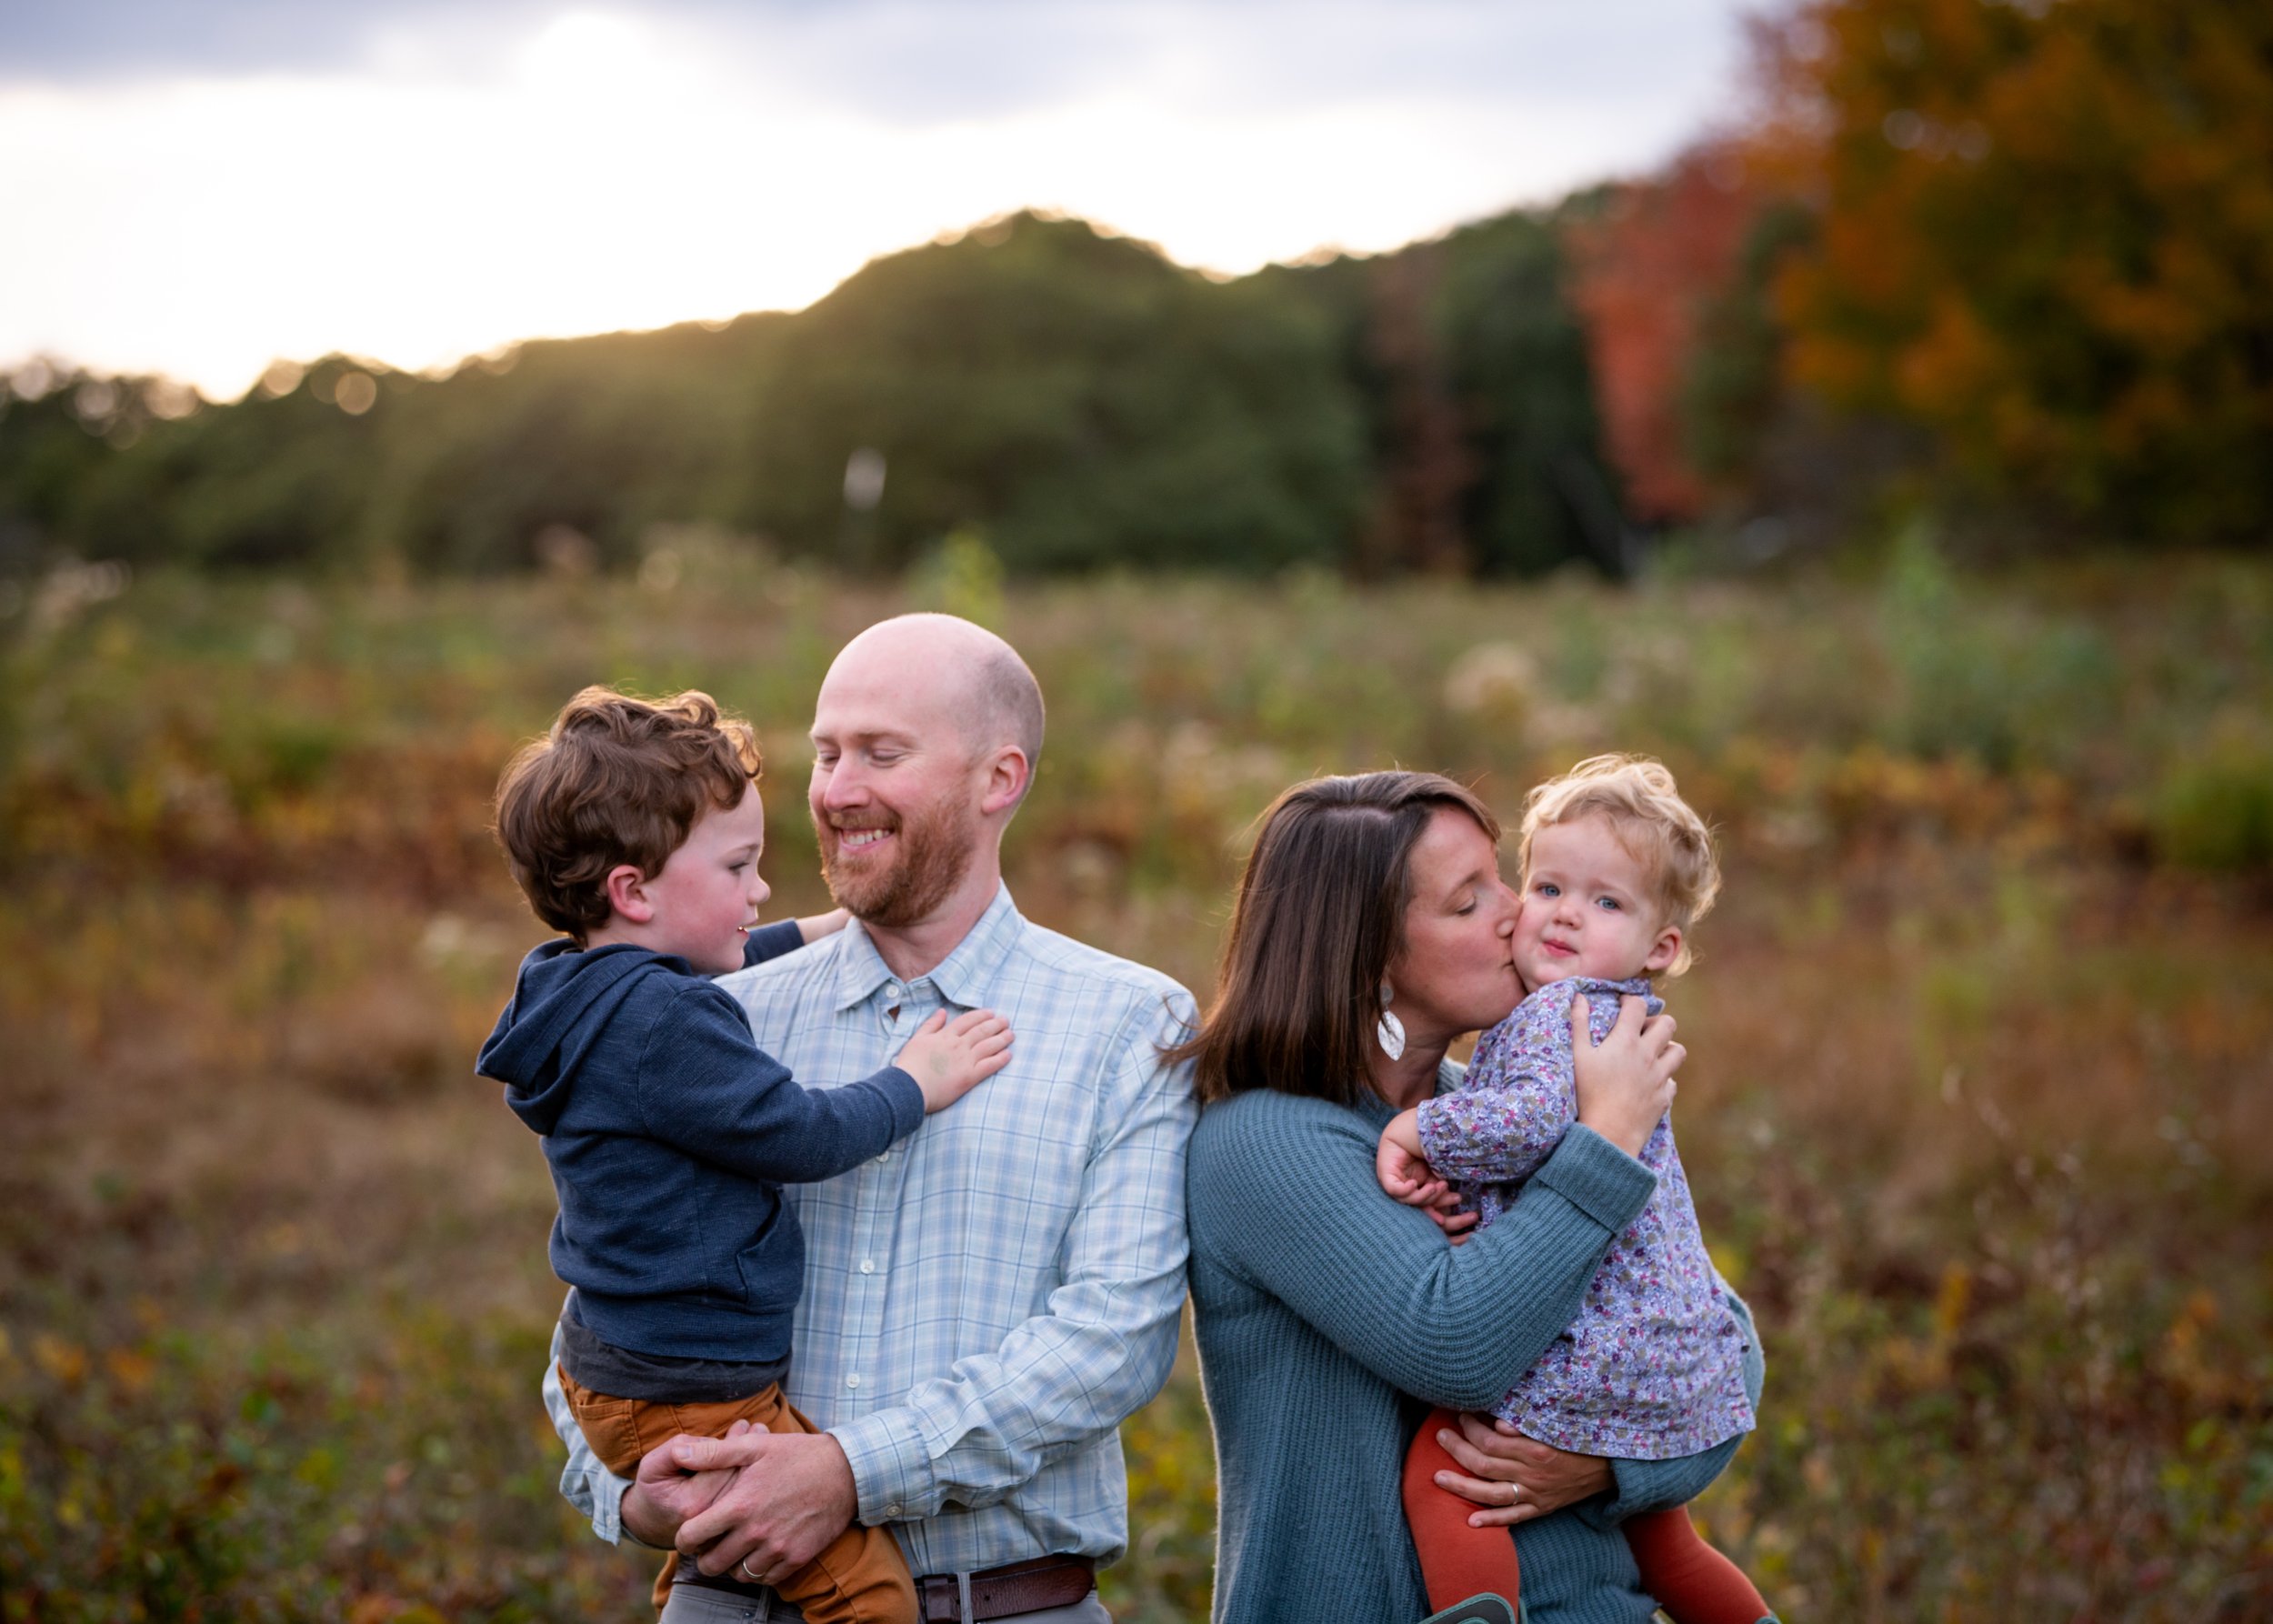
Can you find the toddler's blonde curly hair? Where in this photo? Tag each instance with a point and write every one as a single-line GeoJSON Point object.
{"type": "Point", "coordinates": [1645, 809]}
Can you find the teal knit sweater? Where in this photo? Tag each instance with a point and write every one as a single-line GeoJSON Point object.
{"type": "Point", "coordinates": [1330, 1318]}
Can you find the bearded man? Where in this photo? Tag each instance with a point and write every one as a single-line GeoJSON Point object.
{"type": "Point", "coordinates": [987, 1301]}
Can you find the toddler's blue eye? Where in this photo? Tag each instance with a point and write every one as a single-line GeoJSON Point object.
{"type": "Point", "coordinates": [1609, 902]}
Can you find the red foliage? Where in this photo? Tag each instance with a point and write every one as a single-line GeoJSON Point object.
{"type": "Point", "coordinates": [2044, 233]}
{"type": "Point", "coordinates": [1643, 269]}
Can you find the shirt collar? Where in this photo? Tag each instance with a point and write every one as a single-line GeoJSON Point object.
{"type": "Point", "coordinates": [961, 977]}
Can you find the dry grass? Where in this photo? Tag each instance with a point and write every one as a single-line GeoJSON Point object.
{"type": "Point", "coordinates": [1978, 1112]}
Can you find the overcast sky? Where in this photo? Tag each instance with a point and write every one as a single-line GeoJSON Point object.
{"type": "Point", "coordinates": [196, 189]}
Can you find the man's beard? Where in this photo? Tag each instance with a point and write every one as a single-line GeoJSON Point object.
{"type": "Point", "coordinates": [935, 854]}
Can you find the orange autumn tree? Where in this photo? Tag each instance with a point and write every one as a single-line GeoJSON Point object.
{"type": "Point", "coordinates": [2044, 232]}
{"type": "Point", "coordinates": [1647, 259]}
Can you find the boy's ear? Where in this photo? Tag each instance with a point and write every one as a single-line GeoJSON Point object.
{"type": "Point", "coordinates": [1664, 950]}
{"type": "Point", "coordinates": [627, 889]}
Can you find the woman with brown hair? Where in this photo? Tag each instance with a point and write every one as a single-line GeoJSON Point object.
{"type": "Point", "coordinates": [1371, 930]}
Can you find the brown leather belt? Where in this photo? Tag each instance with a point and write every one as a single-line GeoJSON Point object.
{"type": "Point", "coordinates": [1007, 1591]}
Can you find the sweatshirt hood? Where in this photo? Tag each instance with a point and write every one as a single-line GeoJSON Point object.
{"type": "Point", "coordinates": [561, 1002]}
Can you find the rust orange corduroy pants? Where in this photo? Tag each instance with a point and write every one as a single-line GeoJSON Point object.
{"type": "Point", "coordinates": [859, 1578]}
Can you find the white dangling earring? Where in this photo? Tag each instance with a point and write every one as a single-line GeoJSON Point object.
{"type": "Point", "coordinates": [1388, 1031]}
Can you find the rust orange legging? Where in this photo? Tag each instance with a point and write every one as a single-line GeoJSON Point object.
{"type": "Point", "coordinates": [1691, 1580]}
{"type": "Point", "coordinates": [859, 1578]}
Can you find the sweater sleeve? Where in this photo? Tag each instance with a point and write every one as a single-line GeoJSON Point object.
{"type": "Point", "coordinates": [1655, 1485]}
{"type": "Point", "coordinates": [1453, 1324]}
{"type": "Point", "coordinates": [771, 941]}
{"type": "Point", "coordinates": [706, 1087]}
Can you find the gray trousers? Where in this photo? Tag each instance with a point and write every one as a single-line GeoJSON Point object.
{"type": "Point", "coordinates": [697, 1604]}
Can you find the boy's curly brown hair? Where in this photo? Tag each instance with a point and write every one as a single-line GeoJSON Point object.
{"type": "Point", "coordinates": [617, 780]}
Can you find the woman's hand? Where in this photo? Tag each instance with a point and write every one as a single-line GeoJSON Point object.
{"type": "Point", "coordinates": [1625, 1085]}
{"type": "Point", "coordinates": [1512, 1478]}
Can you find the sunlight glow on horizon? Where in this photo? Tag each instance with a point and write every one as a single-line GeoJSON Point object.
{"type": "Point", "coordinates": [612, 174]}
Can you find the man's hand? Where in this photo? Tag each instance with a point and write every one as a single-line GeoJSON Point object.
{"type": "Point", "coordinates": [775, 1517]}
{"type": "Point", "coordinates": [680, 1477]}
{"type": "Point", "coordinates": [1513, 1478]}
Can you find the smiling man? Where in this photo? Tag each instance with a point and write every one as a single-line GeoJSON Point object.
{"type": "Point", "coordinates": [987, 1300]}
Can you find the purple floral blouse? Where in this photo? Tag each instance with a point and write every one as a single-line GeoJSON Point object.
{"type": "Point", "coordinates": [1653, 1366]}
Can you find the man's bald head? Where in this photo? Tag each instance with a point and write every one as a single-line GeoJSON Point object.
{"type": "Point", "coordinates": [986, 688]}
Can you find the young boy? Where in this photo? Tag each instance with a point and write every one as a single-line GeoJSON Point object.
{"type": "Point", "coordinates": [636, 827]}
{"type": "Point", "coordinates": [1616, 870]}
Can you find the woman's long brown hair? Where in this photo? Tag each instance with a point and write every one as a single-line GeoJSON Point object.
{"type": "Point", "coordinates": [1320, 917]}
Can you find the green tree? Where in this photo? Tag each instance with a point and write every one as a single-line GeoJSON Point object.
{"type": "Point", "coordinates": [1075, 395]}
{"type": "Point", "coordinates": [1542, 491]}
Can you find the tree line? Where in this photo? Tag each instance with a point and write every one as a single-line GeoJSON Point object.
{"type": "Point", "coordinates": [2005, 261]}
{"type": "Point", "coordinates": [1076, 396]}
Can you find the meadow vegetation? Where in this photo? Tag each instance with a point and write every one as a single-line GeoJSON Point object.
{"type": "Point", "coordinates": [1980, 1112]}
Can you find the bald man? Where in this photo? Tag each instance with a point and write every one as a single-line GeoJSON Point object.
{"type": "Point", "coordinates": [986, 1301]}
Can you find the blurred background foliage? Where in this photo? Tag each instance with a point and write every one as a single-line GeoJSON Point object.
{"type": "Point", "coordinates": [1923, 417]}
{"type": "Point", "coordinates": [1979, 1112]}
{"type": "Point", "coordinates": [2006, 262]}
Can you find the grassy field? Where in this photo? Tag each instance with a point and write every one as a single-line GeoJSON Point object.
{"type": "Point", "coordinates": [1980, 1112]}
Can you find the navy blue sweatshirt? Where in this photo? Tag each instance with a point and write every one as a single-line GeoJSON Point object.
{"type": "Point", "coordinates": [670, 1133]}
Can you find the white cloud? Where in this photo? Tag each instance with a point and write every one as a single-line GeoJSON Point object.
{"type": "Point", "coordinates": [607, 169]}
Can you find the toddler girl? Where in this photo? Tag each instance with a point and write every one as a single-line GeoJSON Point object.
{"type": "Point", "coordinates": [1616, 867]}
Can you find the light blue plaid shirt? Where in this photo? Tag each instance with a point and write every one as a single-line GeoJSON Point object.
{"type": "Point", "coordinates": [987, 1301]}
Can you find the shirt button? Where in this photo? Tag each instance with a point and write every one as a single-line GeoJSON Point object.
{"type": "Point", "coordinates": [868, 1266]}
{"type": "Point", "coordinates": [853, 1380]}
{"type": "Point", "coordinates": [893, 1510]}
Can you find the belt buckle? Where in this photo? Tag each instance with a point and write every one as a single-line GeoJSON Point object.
{"type": "Point", "coordinates": [935, 1599]}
